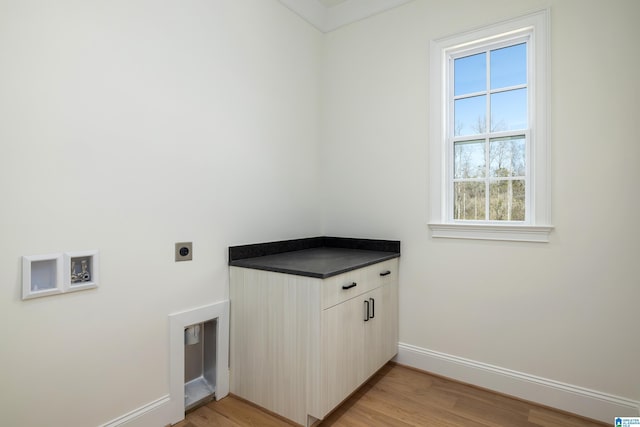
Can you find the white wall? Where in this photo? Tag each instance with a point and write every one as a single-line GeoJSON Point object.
{"type": "Point", "coordinates": [565, 310]}
{"type": "Point", "coordinates": [127, 126]}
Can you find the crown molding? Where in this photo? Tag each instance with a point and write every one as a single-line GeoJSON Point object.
{"type": "Point", "coordinates": [327, 19]}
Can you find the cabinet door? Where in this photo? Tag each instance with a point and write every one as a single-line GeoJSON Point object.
{"type": "Point", "coordinates": [342, 348]}
{"type": "Point", "coordinates": [381, 330]}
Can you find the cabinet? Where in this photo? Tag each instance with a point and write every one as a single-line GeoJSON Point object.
{"type": "Point", "coordinates": [300, 345]}
{"type": "Point", "coordinates": [358, 337]}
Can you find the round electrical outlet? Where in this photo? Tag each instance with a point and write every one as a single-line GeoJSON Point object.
{"type": "Point", "coordinates": [184, 251]}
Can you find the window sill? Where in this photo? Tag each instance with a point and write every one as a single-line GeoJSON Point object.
{"type": "Point", "coordinates": [516, 233]}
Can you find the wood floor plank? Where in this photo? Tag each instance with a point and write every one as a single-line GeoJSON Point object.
{"type": "Point", "coordinates": [398, 396]}
{"type": "Point", "coordinates": [205, 417]}
{"type": "Point", "coordinates": [403, 384]}
{"type": "Point", "coordinates": [492, 415]}
{"type": "Point", "coordinates": [361, 416]}
{"type": "Point", "coordinates": [411, 409]}
{"type": "Point", "coordinates": [548, 418]}
{"type": "Point", "coordinates": [245, 414]}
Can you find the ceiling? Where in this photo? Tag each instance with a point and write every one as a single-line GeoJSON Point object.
{"type": "Point", "coordinates": [328, 15]}
{"type": "Point", "coordinates": [331, 3]}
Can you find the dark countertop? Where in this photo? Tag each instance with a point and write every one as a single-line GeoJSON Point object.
{"type": "Point", "coordinates": [319, 257]}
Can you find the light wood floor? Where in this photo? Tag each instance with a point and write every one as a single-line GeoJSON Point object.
{"type": "Point", "coordinates": [400, 396]}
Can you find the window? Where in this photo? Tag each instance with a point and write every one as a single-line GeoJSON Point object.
{"type": "Point", "coordinates": [489, 143]}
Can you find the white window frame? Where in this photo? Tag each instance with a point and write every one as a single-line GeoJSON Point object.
{"type": "Point", "coordinates": [537, 225]}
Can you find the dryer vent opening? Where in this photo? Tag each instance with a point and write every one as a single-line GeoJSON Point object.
{"type": "Point", "coordinates": [199, 363]}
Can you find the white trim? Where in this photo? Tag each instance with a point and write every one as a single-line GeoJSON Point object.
{"type": "Point", "coordinates": [177, 323]}
{"type": "Point", "coordinates": [143, 411]}
{"type": "Point", "coordinates": [327, 19]}
{"type": "Point", "coordinates": [516, 233]}
{"type": "Point", "coordinates": [538, 160]}
{"type": "Point", "coordinates": [567, 397]}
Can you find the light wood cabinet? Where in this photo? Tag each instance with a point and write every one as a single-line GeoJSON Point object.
{"type": "Point", "coordinates": [300, 345]}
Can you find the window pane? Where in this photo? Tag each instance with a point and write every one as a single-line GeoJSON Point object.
{"type": "Point", "coordinates": [509, 66]}
{"type": "Point", "coordinates": [506, 200]}
{"type": "Point", "coordinates": [470, 74]}
{"type": "Point", "coordinates": [469, 159]}
{"type": "Point", "coordinates": [509, 110]}
{"type": "Point", "coordinates": [470, 115]}
{"type": "Point", "coordinates": [507, 156]}
{"type": "Point", "coordinates": [469, 200]}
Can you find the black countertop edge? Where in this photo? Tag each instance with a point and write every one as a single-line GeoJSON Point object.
{"type": "Point", "coordinates": [313, 274]}
{"type": "Point", "coordinates": [271, 248]}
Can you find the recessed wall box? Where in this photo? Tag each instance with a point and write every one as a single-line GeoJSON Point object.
{"type": "Point", "coordinates": [41, 275]}
{"type": "Point", "coordinates": [80, 270]}
{"type": "Point", "coordinates": [200, 363]}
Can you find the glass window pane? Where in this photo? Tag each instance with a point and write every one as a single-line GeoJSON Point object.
{"type": "Point", "coordinates": [470, 115]}
{"type": "Point", "coordinates": [509, 110]}
{"type": "Point", "coordinates": [509, 66]}
{"type": "Point", "coordinates": [507, 156]}
{"type": "Point", "coordinates": [469, 159]}
{"type": "Point", "coordinates": [469, 200]}
{"type": "Point", "coordinates": [470, 74]}
{"type": "Point", "coordinates": [507, 200]}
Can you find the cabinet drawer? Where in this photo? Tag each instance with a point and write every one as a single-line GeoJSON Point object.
{"type": "Point", "coordinates": [341, 287]}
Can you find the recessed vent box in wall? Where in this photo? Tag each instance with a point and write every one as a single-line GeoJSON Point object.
{"type": "Point", "coordinates": [199, 363]}
{"type": "Point", "coordinates": [199, 357]}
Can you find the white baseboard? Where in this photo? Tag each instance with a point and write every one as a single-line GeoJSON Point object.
{"type": "Point", "coordinates": [578, 400]}
{"type": "Point", "coordinates": [155, 413]}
